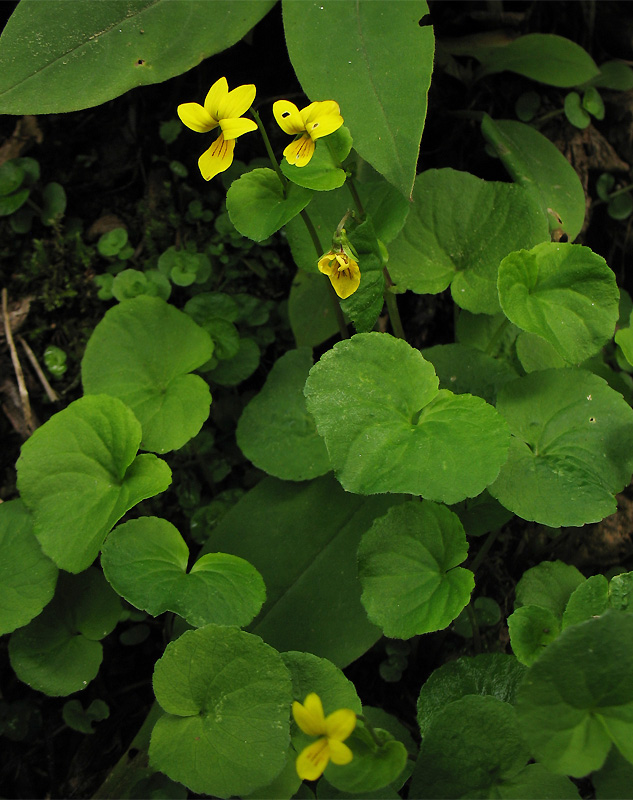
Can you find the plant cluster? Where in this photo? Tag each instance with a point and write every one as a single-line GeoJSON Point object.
{"type": "Point", "coordinates": [381, 465]}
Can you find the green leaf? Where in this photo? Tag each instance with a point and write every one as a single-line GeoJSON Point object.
{"type": "Point", "coordinates": [536, 353]}
{"type": "Point", "coordinates": [27, 576]}
{"type": "Point", "coordinates": [379, 54]}
{"type": "Point", "coordinates": [11, 177]}
{"type": "Point", "coordinates": [83, 55]}
{"type": "Point", "coordinates": [575, 112]}
{"type": "Point", "coordinates": [543, 57]}
{"type": "Point", "coordinates": [276, 432]}
{"type": "Point", "coordinates": [549, 585]}
{"type": "Point", "coordinates": [489, 674]}
{"type": "Point", "coordinates": [58, 653]}
{"type": "Point", "coordinates": [142, 352]}
{"type": "Point", "coordinates": [564, 293]}
{"type": "Point", "coordinates": [365, 305]}
{"type": "Point", "coordinates": [258, 205]}
{"type": "Point", "coordinates": [310, 309]}
{"type": "Point", "coordinates": [537, 165]}
{"type": "Point", "coordinates": [589, 599]}
{"type": "Point", "coordinates": [79, 720]}
{"type": "Point", "coordinates": [482, 514]}
{"type": "Point", "coordinates": [323, 172]}
{"type": "Point", "coordinates": [54, 203]}
{"type": "Point", "coordinates": [309, 673]}
{"type": "Point", "coordinates": [408, 563]}
{"type": "Point", "coordinates": [620, 207]}
{"type": "Point", "coordinates": [227, 697]}
{"type": "Point", "coordinates": [303, 538]}
{"type": "Point", "coordinates": [145, 560]}
{"type": "Point", "coordinates": [571, 447]}
{"type": "Point", "coordinates": [79, 473]}
{"type": "Point", "coordinates": [577, 699]}
{"type": "Point", "coordinates": [462, 243]}
{"type": "Point", "coordinates": [614, 75]}
{"type": "Point", "coordinates": [532, 628]}
{"type": "Point", "coordinates": [614, 779]}
{"type": "Point", "coordinates": [12, 202]}
{"type": "Point", "coordinates": [388, 428]}
{"type": "Point", "coordinates": [234, 370]}
{"type": "Point", "coordinates": [593, 102]}
{"type": "Point", "coordinates": [373, 765]}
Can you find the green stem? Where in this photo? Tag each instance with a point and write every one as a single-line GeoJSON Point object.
{"type": "Point", "coordinates": [282, 178]}
{"type": "Point", "coordinates": [483, 551]}
{"type": "Point", "coordinates": [392, 307]}
{"type": "Point", "coordinates": [494, 341]}
{"type": "Point", "coordinates": [617, 193]}
{"type": "Point", "coordinates": [549, 115]}
{"type": "Point", "coordinates": [355, 196]}
{"type": "Point", "coordinates": [470, 611]}
{"type": "Point", "coordinates": [370, 729]}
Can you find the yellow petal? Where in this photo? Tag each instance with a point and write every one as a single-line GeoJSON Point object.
{"type": "Point", "coordinates": [346, 281]}
{"type": "Point", "coordinates": [300, 151]}
{"type": "Point", "coordinates": [339, 724]}
{"type": "Point", "coordinates": [217, 158]}
{"type": "Point", "coordinates": [237, 102]}
{"type": "Point", "coordinates": [232, 128]}
{"type": "Point", "coordinates": [321, 119]}
{"type": "Point", "coordinates": [340, 753]}
{"type": "Point", "coordinates": [288, 117]}
{"type": "Point", "coordinates": [194, 116]}
{"type": "Point", "coordinates": [328, 264]}
{"type": "Point", "coordinates": [309, 716]}
{"type": "Point", "coordinates": [313, 760]}
{"type": "Point", "coordinates": [215, 96]}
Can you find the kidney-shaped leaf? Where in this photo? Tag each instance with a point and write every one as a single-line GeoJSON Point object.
{"type": "Point", "coordinates": [571, 449]}
{"type": "Point", "coordinates": [79, 473]}
{"type": "Point", "coordinates": [461, 244]}
{"type": "Point", "coordinates": [408, 562]}
{"type": "Point", "coordinates": [275, 430]}
{"type": "Point", "coordinates": [27, 576]}
{"type": "Point", "coordinates": [577, 699]}
{"type": "Point", "coordinates": [563, 292]}
{"type": "Point", "coordinates": [388, 428]}
{"type": "Point", "coordinates": [227, 696]}
{"type": "Point", "coordinates": [142, 352]}
{"type": "Point", "coordinates": [82, 54]}
{"type": "Point", "coordinates": [145, 560]}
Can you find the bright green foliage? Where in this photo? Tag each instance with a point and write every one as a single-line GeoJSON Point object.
{"type": "Point", "coordinates": [275, 430]}
{"type": "Point", "coordinates": [323, 172]}
{"type": "Point", "coordinates": [27, 576]}
{"type": "Point", "coordinates": [79, 720]}
{"type": "Point", "coordinates": [481, 735]}
{"type": "Point", "coordinates": [227, 698]}
{"type": "Point", "coordinates": [408, 567]}
{"type": "Point", "coordinates": [595, 595]}
{"type": "Point", "coordinates": [565, 293]}
{"type": "Point", "coordinates": [302, 538]}
{"type": "Point", "coordinates": [146, 559]}
{"type": "Point", "coordinates": [259, 205]}
{"type": "Point", "coordinates": [537, 165]}
{"type": "Point", "coordinates": [373, 766]}
{"type": "Point", "coordinates": [489, 674]}
{"type": "Point", "coordinates": [543, 57]}
{"type": "Point", "coordinates": [614, 75]}
{"type": "Point", "coordinates": [577, 699]}
{"type": "Point", "coordinates": [461, 244]}
{"type": "Point", "coordinates": [55, 360]}
{"type": "Point", "coordinates": [532, 628]}
{"type": "Point", "coordinates": [112, 242]}
{"type": "Point", "coordinates": [142, 352]}
{"type": "Point", "coordinates": [381, 89]}
{"type": "Point", "coordinates": [310, 309]}
{"type": "Point", "coordinates": [388, 428]}
{"type": "Point", "coordinates": [82, 55]}
{"type": "Point", "coordinates": [79, 473]}
{"type": "Point", "coordinates": [550, 585]}
{"type": "Point", "coordinates": [536, 353]}
{"type": "Point", "coordinates": [58, 653]}
{"type": "Point", "coordinates": [571, 448]}
{"type": "Point", "coordinates": [309, 673]}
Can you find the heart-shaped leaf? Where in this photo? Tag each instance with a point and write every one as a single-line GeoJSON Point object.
{"type": "Point", "coordinates": [388, 428]}
{"type": "Point", "coordinates": [408, 563]}
{"type": "Point", "coordinates": [323, 172]}
{"type": "Point", "coordinates": [146, 559]}
{"type": "Point", "coordinates": [79, 473]}
{"type": "Point", "coordinates": [142, 352]}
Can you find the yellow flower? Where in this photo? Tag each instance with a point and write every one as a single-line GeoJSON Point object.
{"type": "Point", "coordinates": [333, 730]}
{"type": "Point", "coordinates": [313, 121]}
{"type": "Point", "coordinates": [224, 109]}
{"type": "Point", "coordinates": [343, 272]}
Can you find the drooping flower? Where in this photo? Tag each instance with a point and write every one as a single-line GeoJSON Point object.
{"type": "Point", "coordinates": [312, 122]}
{"type": "Point", "coordinates": [332, 730]}
{"type": "Point", "coordinates": [343, 272]}
{"type": "Point", "coordinates": [224, 109]}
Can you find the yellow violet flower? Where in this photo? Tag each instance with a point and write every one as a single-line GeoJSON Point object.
{"type": "Point", "coordinates": [343, 272]}
{"type": "Point", "coordinates": [224, 109]}
{"type": "Point", "coordinates": [312, 122]}
{"type": "Point", "coordinates": [333, 730]}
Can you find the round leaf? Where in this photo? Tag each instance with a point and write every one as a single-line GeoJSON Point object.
{"type": "Point", "coordinates": [574, 111]}
{"type": "Point", "coordinates": [549, 585]}
{"type": "Point", "coordinates": [142, 352]}
{"type": "Point", "coordinates": [323, 172]}
{"type": "Point", "coordinates": [309, 673]}
{"type": "Point", "coordinates": [408, 567]}
{"type": "Point", "coordinates": [276, 432]}
{"type": "Point", "coordinates": [578, 697]}
{"type": "Point", "coordinates": [27, 576]}
{"type": "Point", "coordinates": [564, 293]}
{"type": "Point", "coordinates": [532, 628]}
{"type": "Point", "coordinates": [571, 449]}
{"type": "Point", "coordinates": [79, 473]}
{"type": "Point", "coordinates": [373, 765]}
{"type": "Point", "coordinates": [388, 428]}
{"type": "Point", "coordinates": [145, 560]}
{"type": "Point", "coordinates": [259, 205]}
{"type": "Point", "coordinates": [227, 696]}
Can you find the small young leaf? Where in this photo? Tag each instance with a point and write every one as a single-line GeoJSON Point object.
{"type": "Point", "coordinates": [614, 75]}
{"type": "Point", "coordinates": [593, 103]}
{"type": "Point", "coordinates": [549, 585]}
{"type": "Point", "coordinates": [323, 173]}
{"type": "Point", "coordinates": [575, 112]}
{"type": "Point", "coordinates": [532, 628]}
{"type": "Point", "coordinates": [79, 720]}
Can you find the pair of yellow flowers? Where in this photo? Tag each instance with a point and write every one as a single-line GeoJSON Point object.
{"type": "Point", "coordinates": [223, 108]}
